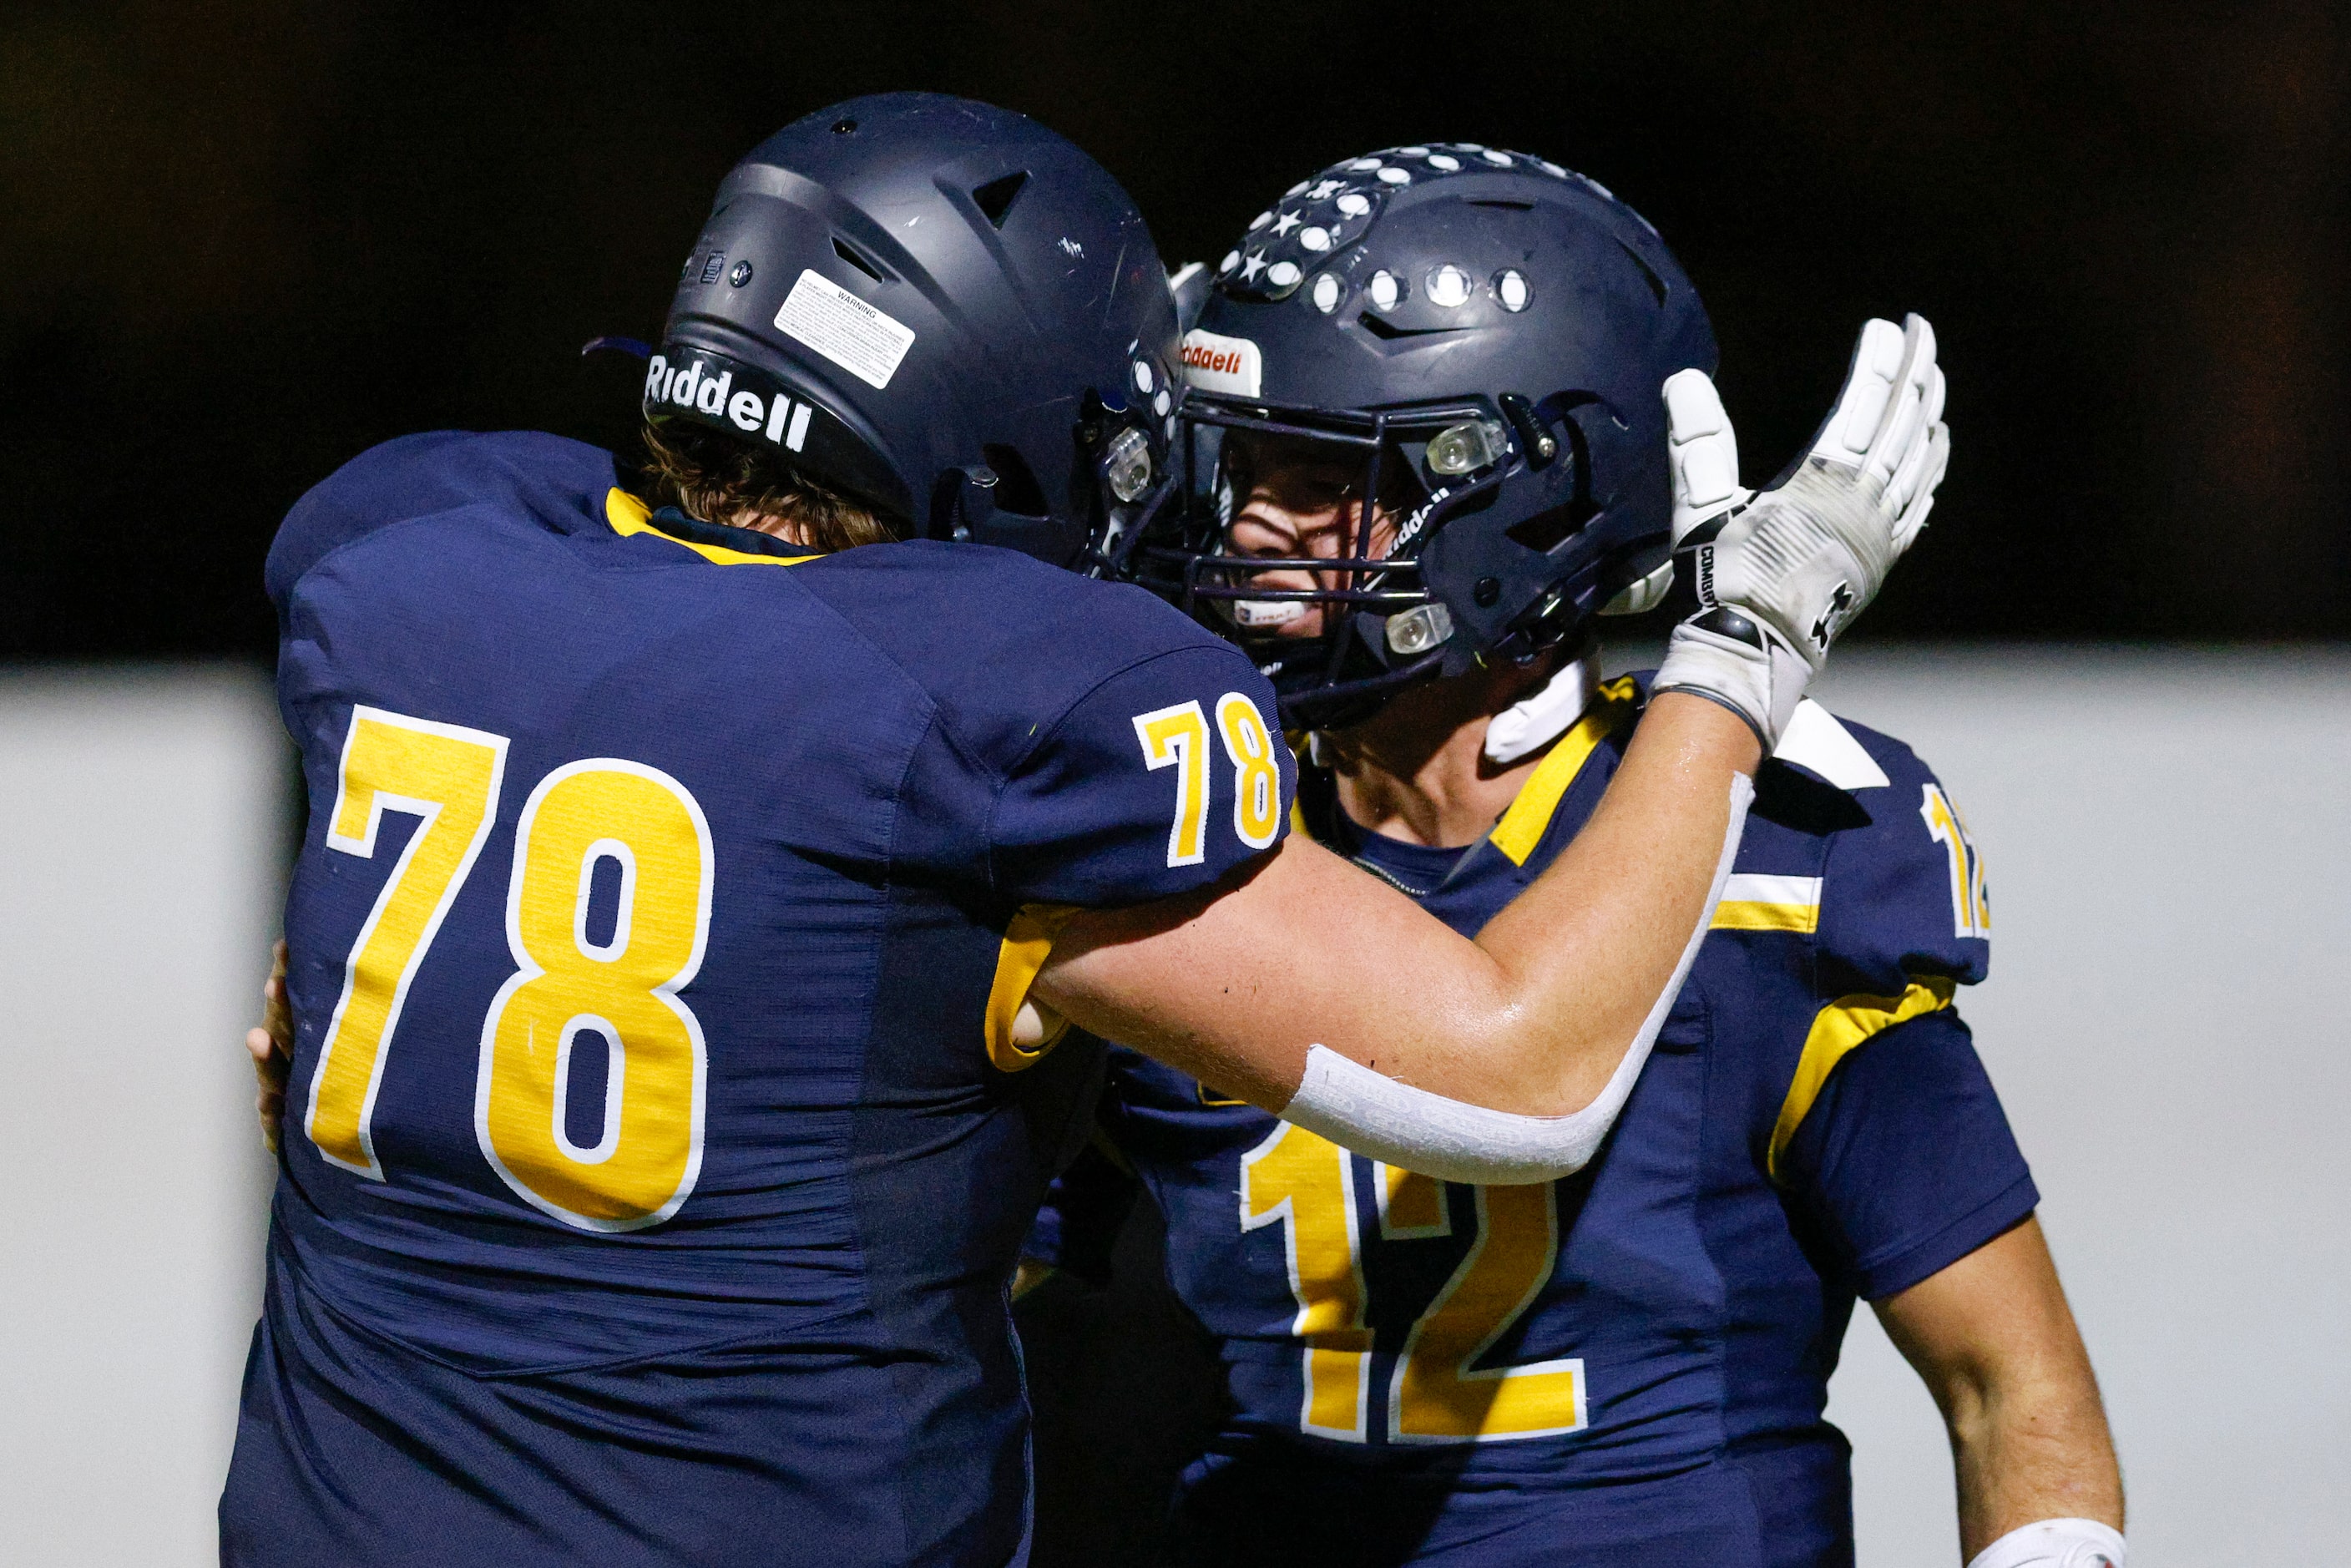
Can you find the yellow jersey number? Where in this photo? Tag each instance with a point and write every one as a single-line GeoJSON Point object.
{"type": "Point", "coordinates": [1177, 738]}
{"type": "Point", "coordinates": [1438, 1393]}
{"type": "Point", "coordinates": [567, 992]}
{"type": "Point", "coordinates": [1970, 899]}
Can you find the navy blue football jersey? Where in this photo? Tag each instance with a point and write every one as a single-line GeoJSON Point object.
{"type": "Point", "coordinates": [1633, 1361]}
{"type": "Point", "coordinates": [657, 1146]}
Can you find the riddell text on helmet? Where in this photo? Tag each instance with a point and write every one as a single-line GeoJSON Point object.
{"type": "Point", "coordinates": [779, 418]}
{"type": "Point", "coordinates": [1216, 364]}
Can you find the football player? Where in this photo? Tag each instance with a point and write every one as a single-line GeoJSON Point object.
{"type": "Point", "coordinates": [1428, 457]}
{"type": "Point", "coordinates": [700, 863]}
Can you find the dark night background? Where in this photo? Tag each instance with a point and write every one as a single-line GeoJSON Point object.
{"type": "Point", "coordinates": [242, 241]}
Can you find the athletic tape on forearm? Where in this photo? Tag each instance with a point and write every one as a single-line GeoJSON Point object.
{"type": "Point", "coordinates": [2054, 1543]}
{"type": "Point", "coordinates": [1364, 1110]}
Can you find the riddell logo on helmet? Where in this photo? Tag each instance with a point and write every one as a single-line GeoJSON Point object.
{"type": "Point", "coordinates": [1216, 364]}
{"type": "Point", "coordinates": [778, 418]}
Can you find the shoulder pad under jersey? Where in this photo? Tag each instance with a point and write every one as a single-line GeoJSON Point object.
{"type": "Point", "coordinates": [1129, 754]}
{"type": "Point", "coordinates": [527, 471]}
{"type": "Point", "coordinates": [1901, 893]}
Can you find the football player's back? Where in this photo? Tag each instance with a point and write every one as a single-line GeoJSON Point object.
{"type": "Point", "coordinates": [643, 942]}
{"type": "Point", "coordinates": [656, 1155]}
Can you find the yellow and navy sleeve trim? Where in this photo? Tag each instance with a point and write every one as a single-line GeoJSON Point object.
{"type": "Point", "coordinates": [1028, 942]}
{"type": "Point", "coordinates": [1523, 825]}
{"type": "Point", "coordinates": [1838, 1029]}
{"type": "Point", "coordinates": [630, 516]}
{"type": "Point", "coordinates": [1752, 903]}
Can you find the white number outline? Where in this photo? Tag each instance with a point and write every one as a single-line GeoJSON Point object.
{"type": "Point", "coordinates": [1970, 899]}
{"type": "Point", "coordinates": [429, 814]}
{"type": "Point", "coordinates": [529, 969]}
{"type": "Point", "coordinates": [1234, 712]}
{"type": "Point", "coordinates": [1187, 751]}
{"type": "Point", "coordinates": [1385, 1180]}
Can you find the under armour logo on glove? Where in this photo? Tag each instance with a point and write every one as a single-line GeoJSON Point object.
{"type": "Point", "coordinates": [1824, 628]}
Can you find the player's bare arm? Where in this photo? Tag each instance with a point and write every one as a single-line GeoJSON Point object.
{"type": "Point", "coordinates": [270, 1043]}
{"type": "Point", "coordinates": [1996, 1346]}
{"type": "Point", "coordinates": [1531, 1017]}
{"type": "Point", "coordinates": [1537, 1016]}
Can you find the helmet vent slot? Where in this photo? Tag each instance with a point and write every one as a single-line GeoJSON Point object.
{"type": "Point", "coordinates": [1388, 331]}
{"type": "Point", "coordinates": [1551, 529]}
{"type": "Point", "coordinates": [1648, 274]}
{"type": "Point", "coordinates": [995, 198]}
{"type": "Point", "coordinates": [841, 250]}
{"type": "Point", "coordinates": [1548, 530]}
{"type": "Point", "coordinates": [1016, 489]}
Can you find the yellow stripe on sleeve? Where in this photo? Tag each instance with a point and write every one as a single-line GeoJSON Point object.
{"type": "Point", "coordinates": [1838, 1028]}
{"type": "Point", "coordinates": [1027, 943]}
{"type": "Point", "coordinates": [630, 516]}
{"type": "Point", "coordinates": [1757, 903]}
{"type": "Point", "coordinates": [1750, 914]}
{"type": "Point", "coordinates": [1522, 827]}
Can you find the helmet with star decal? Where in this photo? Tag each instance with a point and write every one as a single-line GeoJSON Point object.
{"type": "Point", "coordinates": [1483, 334]}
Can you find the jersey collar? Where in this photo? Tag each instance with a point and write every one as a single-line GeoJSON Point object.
{"type": "Point", "coordinates": [711, 541]}
{"type": "Point", "coordinates": [1611, 706]}
{"type": "Point", "coordinates": [1528, 818]}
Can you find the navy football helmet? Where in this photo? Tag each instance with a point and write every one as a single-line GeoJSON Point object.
{"type": "Point", "coordinates": [942, 308]}
{"type": "Point", "coordinates": [1486, 333]}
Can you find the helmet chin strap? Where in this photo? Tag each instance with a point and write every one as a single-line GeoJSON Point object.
{"type": "Point", "coordinates": [1544, 714]}
{"type": "Point", "coordinates": [1527, 726]}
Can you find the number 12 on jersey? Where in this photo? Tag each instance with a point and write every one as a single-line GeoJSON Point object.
{"type": "Point", "coordinates": [621, 991]}
{"type": "Point", "coordinates": [1970, 902]}
{"type": "Point", "coordinates": [1438, 1393]}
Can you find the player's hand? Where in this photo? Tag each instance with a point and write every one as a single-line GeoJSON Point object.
{"type": "Point", "coordinates": [1782, 573]}
{"type": "Point", "coordinates": [272, 1047]}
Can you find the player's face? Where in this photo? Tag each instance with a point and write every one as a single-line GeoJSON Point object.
{"type": "Point", "coordinates": [1300, 499]}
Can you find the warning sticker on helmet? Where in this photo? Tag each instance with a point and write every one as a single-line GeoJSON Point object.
{"type": "Point", "coordinates": [1216, 364]}
{"type": "Point", "coordinates": [862, 338]}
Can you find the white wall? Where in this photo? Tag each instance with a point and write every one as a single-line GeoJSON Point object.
{"type": "Point", "coordinates": [140, 843]}
{"type": "Point", "coordinates": [2169, 837]}
{"type": "Point", "coordinates": [2171, 876]}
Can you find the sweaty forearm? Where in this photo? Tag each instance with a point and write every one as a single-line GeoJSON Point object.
{"type": "Point", "coordinates": [1533, 1018]}
{"type": "Point", "coordinates": [1581, 975]}
{"type": "Point", "coordinates": [2028, 1448]}
{"type": "Point", "coordinates": [1996, 1344]}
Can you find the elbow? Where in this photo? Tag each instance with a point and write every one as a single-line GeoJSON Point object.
{"type": "Point", "coordinates": [1363, 1110]}
{"type": "Point", "coordinates": [1524, 1065]}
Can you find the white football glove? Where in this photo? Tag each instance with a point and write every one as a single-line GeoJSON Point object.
{"type": "Point", "coordinates": [1780, 574]}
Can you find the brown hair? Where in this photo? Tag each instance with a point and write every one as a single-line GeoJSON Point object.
{"type": "Point", "coordinates": [713, 479]}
